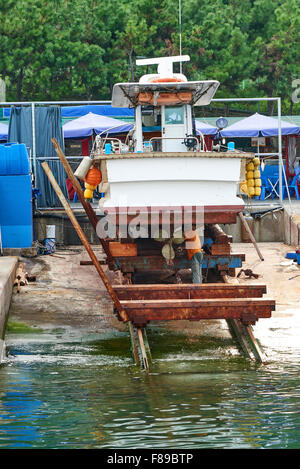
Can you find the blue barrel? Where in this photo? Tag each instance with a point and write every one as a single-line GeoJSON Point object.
{"type": "Point", "coordinates": [14, 160]}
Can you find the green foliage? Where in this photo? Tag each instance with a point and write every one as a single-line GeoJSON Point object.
{"type": "Point", "coordinates": [63, 49]}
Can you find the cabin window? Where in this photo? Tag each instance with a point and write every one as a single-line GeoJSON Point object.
{"type": "Point", "coordinates": [174, 115]}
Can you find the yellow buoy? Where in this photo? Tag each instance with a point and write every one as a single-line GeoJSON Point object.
{"type": "Point", "coordinates": [251, 191]}
{"type": "Point", "coordinates": [250, 167]}
{"type": "Point", "coordinates": [257, 190]}
{"type": "Point", "coordinates": [257, 182]}
{"type": "Point", "coordinates": [256, 174]}
{"type": "Point", "coordinates": [244, 188]}
{"type": "Point", "coordinates": [250, 175]}
{"type": "Point", "coordinates": [250, 182]}
{"type": "Point", "coordinates": [256, 161]}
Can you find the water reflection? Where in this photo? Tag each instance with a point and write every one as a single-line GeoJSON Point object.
{"type": "Point", "coordinates": [58, 391]}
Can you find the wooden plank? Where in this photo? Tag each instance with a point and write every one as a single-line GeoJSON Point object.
{"type": "Point", "coordinates": [119, 249]}
{"type": "Point", "coordinates": [249, 303]}
{"type": "Point", "coordinates": [147, 263]}
{"type": "Point", "coordinates": [187, 154]}
{"type": "Point", "coordinates": [220, 249]}
{"type": "Point", "coordinates": [247, 310]}
{"type": "Point", "coordinates": [188, 291]}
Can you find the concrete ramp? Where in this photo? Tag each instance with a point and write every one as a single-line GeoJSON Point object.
{"type": "Point", "coordinates": [8, 267]}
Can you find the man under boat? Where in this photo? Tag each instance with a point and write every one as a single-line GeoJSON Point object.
{"type": "Point", "coordinates": [195, 255]}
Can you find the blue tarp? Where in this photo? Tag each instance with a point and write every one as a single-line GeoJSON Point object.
{"type": "Point", "coordinates": [85, 126]}
{"type": "Point", "coordinates": [78, 111]}
{"type": "Point", "coordinates": [205, 129]}
{"type": "Point", "coordinates": [3, 131]}
{"type": "Point", "coordinates": [259, 126]}
{"type": "Point", "coordinates": [102, 110]}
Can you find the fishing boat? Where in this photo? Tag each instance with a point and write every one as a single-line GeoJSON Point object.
{"type": "Point", "coordinates": [154, 189]}
{"type": "Point", "coordinates": [175, 169]}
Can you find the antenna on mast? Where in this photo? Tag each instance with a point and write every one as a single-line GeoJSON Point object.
{"type": "Point", "coordinates": [179, 25]}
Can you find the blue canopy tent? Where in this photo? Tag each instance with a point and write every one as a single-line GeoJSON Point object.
{"type": "Point", "coordinates": [205, 129]}
{"type": "Point", "coordinates": [259, 126]}
{"type": "Point", "coordinates": [3, 131]}
{"type": "Point", "coordinates": [71, 112]}
{"type": "Point", "coordinates": [86, 125]}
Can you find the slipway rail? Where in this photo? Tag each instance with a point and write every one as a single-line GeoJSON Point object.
{"type": "Point", "coordinates": [139, 304]}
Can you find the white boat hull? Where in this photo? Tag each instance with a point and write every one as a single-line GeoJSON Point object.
{"type": "Point", "coordinates": [173, 182]}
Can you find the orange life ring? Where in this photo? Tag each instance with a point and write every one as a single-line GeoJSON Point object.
{"type": "Point", "coordinates": [167, 80]}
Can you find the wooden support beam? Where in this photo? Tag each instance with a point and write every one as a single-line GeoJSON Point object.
{"type": "Point", "coordinates": [243, 334]}
{"type": "Point", "coordinates": [147, 346]}
{"type": "Point", "coordinates": [86, 205]}
{"type": "Point", "coordinates": [238, 334]}
{"type": "Point", "coordinates": [134, 343]}
{"type": "Point", "coordinates": [122, 313]}
{"type": "Point", "coordinates": [142, 347]}
{"type": "Point", "coordinates": [248, 310]}
{"type": "Point", "coordinates": [188, 291]}
{"type": "Point", "coordinates": [256, 349]}
{"type": "Point", "coordinates": [244, 221]}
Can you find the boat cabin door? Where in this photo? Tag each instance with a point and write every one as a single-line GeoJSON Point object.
{"type": "Point", "coordinates": [176, 124]}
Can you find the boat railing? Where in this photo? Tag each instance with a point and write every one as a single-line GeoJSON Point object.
{"type": "Point", "coordinates": [149, 147]}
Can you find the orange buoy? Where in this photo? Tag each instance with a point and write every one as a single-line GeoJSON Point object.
{"type": "Point", "coordinates": [93, 177]}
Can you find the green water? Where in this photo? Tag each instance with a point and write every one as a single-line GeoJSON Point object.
{"type": "Point", "coordinates": [64, 389]}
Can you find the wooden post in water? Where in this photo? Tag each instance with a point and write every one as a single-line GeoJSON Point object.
{"type": "Point", "coordinates": [115, 299]}
{"type": "Point", "coordinates": [243, 334]}
{"type": "Point", "coordinates": [134, 343]}
{"type": "Point", "coordinates": [142, 347]}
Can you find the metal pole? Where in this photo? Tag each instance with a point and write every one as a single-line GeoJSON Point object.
{"type": "Point", "coordinates": [280, 149]}
{"type": "Point", "coordinates": [180, 39]}
{"type": "Point", "coordinates": [33, 140]}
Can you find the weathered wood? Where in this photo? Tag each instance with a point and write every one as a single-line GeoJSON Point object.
{"type": "Point", "coordinates": [218, 235]}
{"type": "Point", "coordinates": [119, 249]}
{"type": "Point", "coordinates": [188, 291]}
{"type": "Point", "coordinates": [148, 263]}
{"type": "Point", "coordinates": [122, 313]}
{"type": "Point", "coordinates": [244, 221]}
{"type": "Point", "coordinates": [187, 154]}
{"type": "Point", "coordinates": [147, 346]}
{"type": "Point", "coordinates": [86, 205]}
{"type": "Point", "coordinates": [248, 310]}
{"type": "Point", "coordinates": [236, 329]}
{"type": "Point", "coordinates": [134, 343]}
{"type": "Point", "coordinates": [256, 349]}
{"type": "Point", "coordinates": [142, 347]}
{"type": "Point", "coordinates": [220, 249]}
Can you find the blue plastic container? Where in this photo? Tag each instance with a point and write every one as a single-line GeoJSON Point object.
{"type": "Point", "coordinates": [16, 211]}
{"type": "Point", "coordinates": [107, 148]}
{"type": "Point", "coordinates": [291, 255]}
{"type": "Point", "coordinates": [14, 160]}
{"type": "Point", "coordinates": [298, 258]}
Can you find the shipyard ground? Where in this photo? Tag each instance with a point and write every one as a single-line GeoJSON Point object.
{"type": "Point", "coordinates": [66, 294]}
